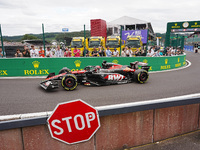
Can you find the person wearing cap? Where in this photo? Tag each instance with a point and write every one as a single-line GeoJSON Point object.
{"type": "Point", "coordinates": [115, 53]}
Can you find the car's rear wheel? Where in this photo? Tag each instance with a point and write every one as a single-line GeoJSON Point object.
{"type": "Point", "coordinates": [141, 76]}
{"type": "Point", "coordinates": [69, 82]}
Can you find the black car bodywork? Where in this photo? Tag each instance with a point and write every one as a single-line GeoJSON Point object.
{"type": "Point", "coordinates": [109, 73]}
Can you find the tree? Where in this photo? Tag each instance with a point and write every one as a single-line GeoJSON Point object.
{"type": "Point", "coordinates": [29, 37]}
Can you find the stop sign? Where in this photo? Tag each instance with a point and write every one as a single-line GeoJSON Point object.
{"type": "Point", "coordinates": [73, 122]}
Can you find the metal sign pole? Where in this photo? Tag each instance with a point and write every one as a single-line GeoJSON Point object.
{"type": "Point", "coordinates": [43, 39]}
{"type": "Point", "coordinates": [84, 37]}
{"type": "Point", "coordinates": [1, 40]}
{"type": "Point", "coordinates": [147, 42]}
{"type": "Point", "coordinates": [120, 41]}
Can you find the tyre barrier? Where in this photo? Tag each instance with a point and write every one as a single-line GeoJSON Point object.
{"type": "Point", "coordinates": [122, 126]}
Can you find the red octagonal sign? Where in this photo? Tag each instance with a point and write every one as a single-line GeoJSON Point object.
{"type": "Point", "coordinates": [73, 122]}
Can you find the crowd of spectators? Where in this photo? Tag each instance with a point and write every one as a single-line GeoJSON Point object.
{"type": "Point", "coordinates": [60, 52]}
{"type": "Point", "coordinates": [154, 51]}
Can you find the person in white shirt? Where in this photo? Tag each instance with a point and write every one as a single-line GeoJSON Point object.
{"type": "Point", "coordinates": [129, 52]}
{"type": "Point", "coordinates": [115, 53]}
{"type": "Point", "coordinates": [33, 52]}
{"type": "Point", "coordinates": [48, 52]}
{"type": "Point", "coordinates": [123, 54]}
{"type": "Point", "coordinates": [150, 53]}
{"type": "Point", "coordinates": [59, 52]}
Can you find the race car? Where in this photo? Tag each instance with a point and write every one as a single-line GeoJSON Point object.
{"type": "Point", "coordinates": [109, 73]}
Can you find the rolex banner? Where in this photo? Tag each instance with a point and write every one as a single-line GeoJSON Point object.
{"type": "Point", "coordinates": [44, 66]}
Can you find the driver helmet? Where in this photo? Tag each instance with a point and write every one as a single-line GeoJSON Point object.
{"type": "Point", "coordinates": [98, 67]}
{"type": "Point", "coordinates": [104, 63]}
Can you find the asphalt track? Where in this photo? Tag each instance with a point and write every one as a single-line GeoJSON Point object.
{"type": "Point", "coordinates": [19, 96]}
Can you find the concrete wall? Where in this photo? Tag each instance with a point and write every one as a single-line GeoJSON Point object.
{"type": "Point", "coordinates": [116, 132]}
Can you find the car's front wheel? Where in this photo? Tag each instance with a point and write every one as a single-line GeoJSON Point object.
{"type": "Point", "coordinates": [69, 82]}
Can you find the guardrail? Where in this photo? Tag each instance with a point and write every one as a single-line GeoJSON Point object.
{"type": "Point", "coordinates": [103, 110]}
{"type": "Point", "coordinates": [122, 125]}
{"type": "Point", "coordinates": [43, 66]}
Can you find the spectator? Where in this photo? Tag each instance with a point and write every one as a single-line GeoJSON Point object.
{"type": "Point", "coordinates": [67, 53]}
{"type": "Point", "coordinates": [53, 53]}
{"type": "Point", "coordinates": [129, 52]}
{"type": "Point", "coordinates": [153, 49]}
{"type": "Point", "coordinates": [101, 51]}
{"type": "Point", "coordinates": [165, 51]}
{"type": "Point", "coordinates": [137, 52]}
{"type": "Point", "coordinates": [157, 53]}
{"type": "Point", "coordinates": [1, 53]}
{"type": "Point", "coordinates": [18, 53]}
{"type": "Point", "coordinates": [115, 53]}
{"type": "Point", "coordinates": [168, 53]}
{"type": "Point", "coordinates": [48, 52]}
{"type": "Point", "coordinates": [58, 52]}
{"type": "Point", "coordinates": [53, 50]}
{"type": "Point", "coordinates": [161, 52]}
{"type": "Point", "coordinates": [76, 52]}
{"type": "Point", "coordinates": [108, 52]}
{"type": "Point", "coordinates": [123, 54]}
{"type": "Point", "coordinates": [41, 52]}
{"type": "Point", "coordinates": [26, 52]}
{"type": "Point", "coordinates": [95, 53]}
{"type": "Point", "coordinates": [143, 53]}
{"type": "Point", "coordinates": [86, 53]}
{"type": "Point", "coordinates": [181, 51]}
{"type": "Point", "coordinates": [156, 48]}
{"type": "Point", "coordinates": [33, 52]}
{"type": "Point", "coordinates": [150, 53]}
{"type": "Point", "coordinates": [173, 50]}
{"type": "Point", "coordinates": [173, 53]}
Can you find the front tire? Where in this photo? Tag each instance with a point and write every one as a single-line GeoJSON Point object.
{"type": "Point", "coordinates": [69, 82]}
{"type": "Point", "coordinates": [141, 76]}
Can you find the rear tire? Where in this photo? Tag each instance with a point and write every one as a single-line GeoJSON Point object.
{"type": "Point", "coordinates": [141, 76]}
{"type": "Point", "coordinates": [69, 82]}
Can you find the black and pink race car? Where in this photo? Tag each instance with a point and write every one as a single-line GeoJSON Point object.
{"type": "Point", "coordinates": [109, 73]}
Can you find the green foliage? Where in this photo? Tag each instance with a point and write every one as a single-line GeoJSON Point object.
{"type": "Point", "coordinates": [59, 36]}
{"type": "Point", "coordinates": [29, 37]}
{"type": "Point", "coordinates": [63, 36]}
